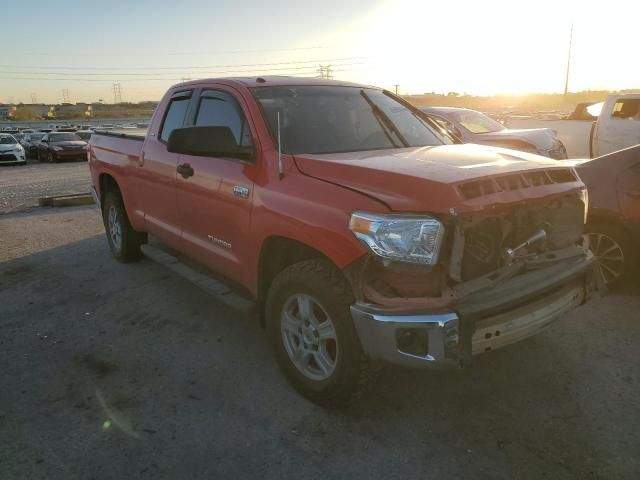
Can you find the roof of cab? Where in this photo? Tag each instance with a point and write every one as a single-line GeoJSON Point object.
{"type": "Point", "coordinates": [272, 81]}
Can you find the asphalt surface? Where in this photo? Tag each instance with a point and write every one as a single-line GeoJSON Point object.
{"type": "Point", "coordinates": [21, 186]}
{"type": "Point", "coordinates": [113, 371]}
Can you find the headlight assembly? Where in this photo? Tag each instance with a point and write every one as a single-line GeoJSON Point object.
{"type": "Point", "coordinates": [404, 238]}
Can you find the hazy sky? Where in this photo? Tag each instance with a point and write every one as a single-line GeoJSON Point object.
{"type": "Point", "coordinates": [475, 46]}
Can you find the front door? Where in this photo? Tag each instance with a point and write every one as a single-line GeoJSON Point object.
{"type": "Point", "coordinates": [618, 126]}
{"type": "Point", "coordinates": [215, 196]}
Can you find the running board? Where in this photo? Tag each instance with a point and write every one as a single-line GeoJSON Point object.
{"type": "Point", "coordinates": [222, 292]}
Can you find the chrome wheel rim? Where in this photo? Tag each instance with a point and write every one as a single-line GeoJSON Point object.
{"type": "Point", "coordinates": [609, 254]}
{"type": "Point", "coordinates": [115, 230]}
{"type": "Point", "coordinates": [309, 337]}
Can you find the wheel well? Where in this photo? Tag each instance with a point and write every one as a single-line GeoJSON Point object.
{"type": "Point", "coordinates": [107, 184]}
{"type": "Point", "coordinates": [278, 253]}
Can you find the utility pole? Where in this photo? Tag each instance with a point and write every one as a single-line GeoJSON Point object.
{"type": "Point", "coordinates": [117, 93]}
{"type": "Point", "coordinates": [396, 85]}
{"type": "Point", "coordinates": [566, 79]}
{"type": "Point", "coordinates": [65, 95]}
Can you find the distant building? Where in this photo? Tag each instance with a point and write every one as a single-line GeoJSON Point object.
{"type": "Point", "coordinates": [7, 111]}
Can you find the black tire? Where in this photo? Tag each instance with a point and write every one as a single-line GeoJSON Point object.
{"type": "Point", "coordinates": [38, 156]}
{"type": "Point", "coordinates": [602, 237]}
{"type": "Point", "coordinates": [128, 247]}
{"type": "Point", "coordinates": [324, 284]}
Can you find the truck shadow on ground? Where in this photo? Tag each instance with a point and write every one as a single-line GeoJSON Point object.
{"type": "Point", "coordinates": [89, 345]}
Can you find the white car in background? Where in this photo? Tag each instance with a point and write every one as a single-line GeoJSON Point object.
{"type": "Point", "coordinates": [618, 125]}
{"type": "Point", "coordinates": [470, 126]}
{"type": "Point", "coordinates": [11, 152]}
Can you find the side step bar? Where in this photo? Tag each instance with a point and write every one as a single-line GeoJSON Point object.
{"type": "Point", "coordinates": [222, 292]}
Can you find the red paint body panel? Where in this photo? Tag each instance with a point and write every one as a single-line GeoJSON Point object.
{"type": "Point", "coordinates": [313, 201]}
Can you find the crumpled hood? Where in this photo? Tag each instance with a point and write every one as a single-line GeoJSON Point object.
{"type": "Point", "coordinates": [428, 179]}
{"type": "Point", "coordinates": [541, 138]}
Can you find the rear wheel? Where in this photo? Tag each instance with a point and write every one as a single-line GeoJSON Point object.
{"type": "Point", "coordinates": [124, 241]}
{"type": "Point", "coordinates": [313, 336]}
{"type": "Point", "coordinates": [613, 248]}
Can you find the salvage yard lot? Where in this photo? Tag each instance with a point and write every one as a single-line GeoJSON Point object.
{"type": "Point", "coordinates": [21, 186]}
{"type": "Point", "coordinates": [190, 385]}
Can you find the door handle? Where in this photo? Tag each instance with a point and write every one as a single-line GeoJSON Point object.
{"type": "Point", "coordinates": [185, 170]}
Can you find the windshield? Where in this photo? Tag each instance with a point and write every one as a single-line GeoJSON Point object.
{"type": "Point", "coordinates": [332, 119]}
{"type": "Point", "coordinates": [7, 140]}
{"type": "Point", "coordinates": [63, 137]}
{"type": "Point", "coordinates": [477, 122]}
{"type": "Point", "coordinates": [34, 137]}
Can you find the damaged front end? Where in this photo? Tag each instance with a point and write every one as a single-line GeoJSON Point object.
{"type": "Point", "coordinates": [501, 276]}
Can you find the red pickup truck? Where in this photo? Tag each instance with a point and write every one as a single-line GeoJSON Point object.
{"type": "Point", "coordinates": [360, 229]}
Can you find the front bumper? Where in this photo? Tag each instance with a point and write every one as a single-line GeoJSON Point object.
{"type": "Point", "coordinates": [12, 157]}
{"type": "Point", "coordinates": [70, 154]}
{"type": "Point", "coordinates": [483, 322]}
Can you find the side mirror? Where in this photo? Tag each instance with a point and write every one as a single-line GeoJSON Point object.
{"type": "Point", "coordinates": [208, 142]}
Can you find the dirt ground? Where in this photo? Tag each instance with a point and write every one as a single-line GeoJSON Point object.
{"type": "Point", "coordinates": [21, 186]}
{"type": "Point", "coordinates": [113, 371]}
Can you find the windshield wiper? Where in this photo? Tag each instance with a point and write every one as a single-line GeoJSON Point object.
{"type": "Point", "coordinates": [385, 121]}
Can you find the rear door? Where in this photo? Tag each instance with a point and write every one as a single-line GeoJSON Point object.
{"type": "Point", "coordinates": [618, 125]}
{"type": "Point", "coordinates": [156, 175]}
{"type": "Point", "coordinates": [215, 202]}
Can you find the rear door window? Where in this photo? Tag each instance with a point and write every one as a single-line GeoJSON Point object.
{"type": "Point", "coordinates": [176, 113]}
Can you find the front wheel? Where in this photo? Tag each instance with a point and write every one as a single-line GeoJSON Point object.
{"type": "Point", "coordinates": [313, 336]}
{"type": "Point", "coordinates": [124, 241]}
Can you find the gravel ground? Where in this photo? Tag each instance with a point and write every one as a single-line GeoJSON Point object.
{"type": "Point", "coordinates": [21, 186]}
{"type": "Point", "coordinates": [113, 371]}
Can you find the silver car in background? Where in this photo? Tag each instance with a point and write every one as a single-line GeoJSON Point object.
{"type": "Point", "coordinates": [471, 126]}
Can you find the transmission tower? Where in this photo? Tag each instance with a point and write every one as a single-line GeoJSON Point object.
{"type": "Point", "coordinates": [325, 71]}
{"type": "Point", "coordinates": [65, 95]}
{"type": "Point", "coordinates": [117, 93]}
{"type": "Point", "coordinates": [34, 98]}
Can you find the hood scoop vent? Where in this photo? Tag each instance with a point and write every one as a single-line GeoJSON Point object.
{"type": "Point", "coordinates": [515, 181]}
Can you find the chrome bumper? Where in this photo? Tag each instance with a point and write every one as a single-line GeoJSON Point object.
{"type": "Point", "coordinates": [380, 333]}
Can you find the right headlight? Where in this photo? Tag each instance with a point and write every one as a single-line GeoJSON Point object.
{"type": "Point", "coordinates": [404, 238]}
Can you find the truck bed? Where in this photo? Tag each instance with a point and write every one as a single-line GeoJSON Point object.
{"type": "Point", "coordinates": [129, 133]}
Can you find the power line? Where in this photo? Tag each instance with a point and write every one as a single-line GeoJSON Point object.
{"type": "Point", "coordinates": [192, 67]}
{"type": "Point", "coordinates": [130, 53]}
{"type": "Point", "coordinates": [155, 74]}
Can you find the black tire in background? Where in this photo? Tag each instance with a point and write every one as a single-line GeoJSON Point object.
{"type": "Point", "coordinates": [123, 240]}
{"type": "Point", "coordinates": [613, 248]}
{"type": "Point", "coordinates": [325, 286]}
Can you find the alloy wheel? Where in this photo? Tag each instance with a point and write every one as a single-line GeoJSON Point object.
{"type": "Point", "coordinates": [309, 337]}
{"type": "Point", "coordinates": [609, 254]}
{"type": "Point", "coordinates": [115, 228]}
